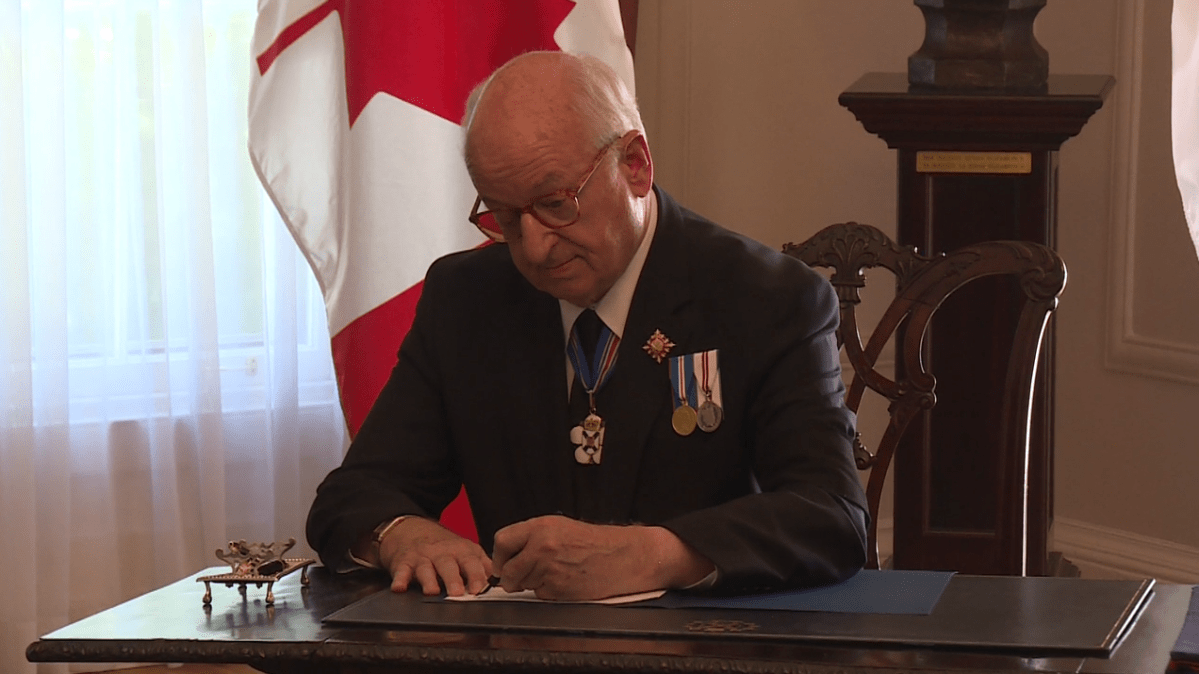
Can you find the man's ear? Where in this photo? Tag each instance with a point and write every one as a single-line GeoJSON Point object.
{"type": "Point", "coordinates": [637, 165]}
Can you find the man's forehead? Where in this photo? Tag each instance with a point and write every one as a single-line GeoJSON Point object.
{"type": "Point", "coordinates": [512, 184]}
{"type": "Point", "coordinates": [514, 124]}
{"type": "Point", "coordinates": [532, 164]}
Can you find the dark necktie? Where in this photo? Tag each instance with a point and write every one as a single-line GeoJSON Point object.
{"type": "Point", "coordinates": [587, 328]}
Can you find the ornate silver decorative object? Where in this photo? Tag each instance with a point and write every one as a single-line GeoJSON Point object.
{"type": "Point", "coordinates": [256, 563]}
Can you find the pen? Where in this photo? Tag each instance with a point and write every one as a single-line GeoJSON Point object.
{"type": "Point", "coordinates": [492, 581]}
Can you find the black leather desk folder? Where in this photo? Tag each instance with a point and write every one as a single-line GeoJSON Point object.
{"type": "Point", "coordinates": [1184, 657]}
{"type": "Point", "coordinates": [1041, 617]}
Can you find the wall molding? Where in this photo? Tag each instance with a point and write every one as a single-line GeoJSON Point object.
{"type": "Point", "coordinates": [1126, 350]}
{"type": "Point", "coordinates": [1125, 553]}
{"type": "Point", "coordinates": [1103, 552]}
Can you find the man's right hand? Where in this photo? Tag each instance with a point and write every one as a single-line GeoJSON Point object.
{"type": "Point", "coordinates": [422, 549]}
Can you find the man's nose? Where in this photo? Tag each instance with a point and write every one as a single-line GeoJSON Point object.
{"type": "Point", "coordinates": [536, 239]}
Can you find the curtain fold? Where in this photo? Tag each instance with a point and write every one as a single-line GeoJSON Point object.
{"type": "Point", "coordinates": [166, 383]}
{"type": "Point", "coordinates": [1184, 108]}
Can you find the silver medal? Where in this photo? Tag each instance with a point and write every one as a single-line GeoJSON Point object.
{"type": "Point", "coordinates": [708, 416]}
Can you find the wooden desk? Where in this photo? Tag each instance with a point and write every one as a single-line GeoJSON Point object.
{"type": "Point", "coordinates": [171, 625]}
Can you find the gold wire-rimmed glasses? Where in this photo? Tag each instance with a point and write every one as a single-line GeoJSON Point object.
{"type": "Point", "coordinates": [554, 210]}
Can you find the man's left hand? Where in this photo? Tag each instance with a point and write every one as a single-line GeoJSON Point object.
{"type": "Point", "coordinates": [565, 559]}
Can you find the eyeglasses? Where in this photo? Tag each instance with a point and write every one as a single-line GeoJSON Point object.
{"type": "Point", "coordinates": [554, 210]}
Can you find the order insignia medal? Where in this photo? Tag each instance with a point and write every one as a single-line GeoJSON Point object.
{"type": "Point", "coordinates": [657, 346]}
{"type": "Point", "coordinates": [588, 436]}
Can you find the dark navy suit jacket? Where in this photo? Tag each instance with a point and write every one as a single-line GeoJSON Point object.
{"type": "Point", "coordinates": [478, 397]}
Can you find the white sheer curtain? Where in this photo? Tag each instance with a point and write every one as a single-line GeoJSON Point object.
{"type": "Point", "coordinates": [1184, 111]}
{"type": "Point", "coordinates": [165, 379]}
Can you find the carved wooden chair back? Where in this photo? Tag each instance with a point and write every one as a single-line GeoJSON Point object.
{"type": "Point", "coordinates": [922, 284]}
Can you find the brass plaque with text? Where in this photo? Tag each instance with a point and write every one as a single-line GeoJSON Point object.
{"type": "Point", "coordinates": [940, 161]}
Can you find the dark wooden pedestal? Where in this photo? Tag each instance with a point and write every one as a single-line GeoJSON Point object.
{"type": "Point", "coordinates": [975, 166]}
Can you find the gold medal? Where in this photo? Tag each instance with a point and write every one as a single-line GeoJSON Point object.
{"type": "Point", "coordinates": [683, 420]}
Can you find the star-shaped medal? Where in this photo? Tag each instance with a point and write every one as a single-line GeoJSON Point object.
{"type": "Point", "coordinates": [658, 346]}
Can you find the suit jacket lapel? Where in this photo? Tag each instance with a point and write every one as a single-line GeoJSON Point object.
{"type": "Point", "coordinates": [638, 393]}
{"type": "Point", "coordinates": [533, 434]}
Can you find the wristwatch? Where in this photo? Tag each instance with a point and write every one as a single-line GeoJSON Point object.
{"type": "Point", "coordinates": [384, 528]}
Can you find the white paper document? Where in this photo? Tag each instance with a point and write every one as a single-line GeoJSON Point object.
{"type": "Point", "coordinates": [499, 594]}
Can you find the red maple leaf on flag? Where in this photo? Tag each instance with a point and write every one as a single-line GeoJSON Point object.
{"type": "Point", "coordinates": [429, 54]}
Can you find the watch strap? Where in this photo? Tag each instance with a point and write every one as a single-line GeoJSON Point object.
{"type": "Point", "coordinates": [386, 527]}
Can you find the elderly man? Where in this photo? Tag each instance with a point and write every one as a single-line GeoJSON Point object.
{"type": "Point", "coordinates": [634, 397]}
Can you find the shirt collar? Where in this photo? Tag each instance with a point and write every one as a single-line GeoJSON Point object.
{"type": "Point", "coordinates": [613, 307]}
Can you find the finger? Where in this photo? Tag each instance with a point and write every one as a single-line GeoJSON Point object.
{"type": "Point", "coordinates": [427, 577]}
{"type": "Point", "coordinates": [400, 578]}
{"type": "Point", "coordinates": [451, 575]}
{"type": "Point", "coordinates": [476, 573]}
{"type": "Point", "coordinates": [521, 573]}
{"type": "Point", "coordinates": [508, 543]}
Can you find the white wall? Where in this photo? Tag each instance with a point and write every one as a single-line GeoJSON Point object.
{"type": "Point", "coordinates": [740, 101]}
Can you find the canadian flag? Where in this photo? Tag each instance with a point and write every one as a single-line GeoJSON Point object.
{"type": "Point", "coordinates": [354, 132]}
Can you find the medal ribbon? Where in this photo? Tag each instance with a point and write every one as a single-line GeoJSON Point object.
{"type": "Point", "coordinates": [706, 387]}
{"type": "Point", "coordinates": [594, 373]}
{"type": "Point", "coordinates": [682, 378]}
